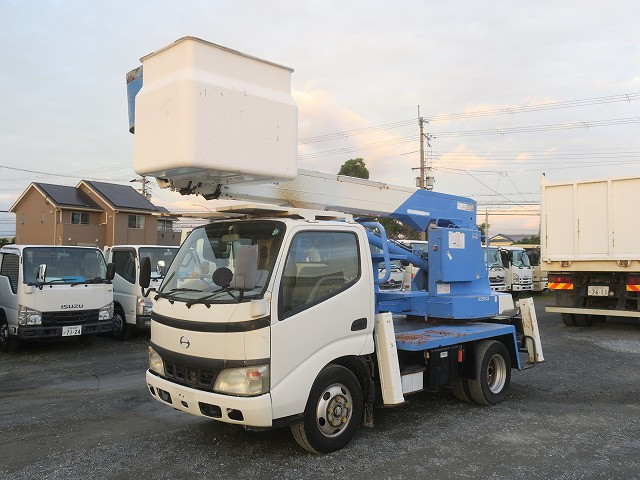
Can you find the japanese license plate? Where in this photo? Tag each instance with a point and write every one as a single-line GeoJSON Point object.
{"type": "Point", "coordinates": [71, 330]}
{"type": "Point", "coordinates": [598, 291]}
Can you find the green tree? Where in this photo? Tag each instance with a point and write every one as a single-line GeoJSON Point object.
{"type": "Point", "coordinates": [483, 227]}
{"type": "Point", "coordinates": [532, 240]}
{"type": "Point", "coordinates": [354, 168]}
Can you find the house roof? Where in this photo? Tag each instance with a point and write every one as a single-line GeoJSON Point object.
{"type": "Point", "coordinates": [121, 196]}
{"type": "Point", "coordinates": [166, 214]}
{"type": "Point", "coordinates": [63, 196]}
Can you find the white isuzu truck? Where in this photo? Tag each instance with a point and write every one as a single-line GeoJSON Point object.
{"type": "Point", "coordinates": [132, 310]}
{"type": "Point", "coordinates": [274, 316]}
{"type": "Point", "coordinates": [53, 292]}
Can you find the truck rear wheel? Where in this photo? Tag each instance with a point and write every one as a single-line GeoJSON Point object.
{"type": "Point", "coordinates": [584, 320]}
{"type": "Point", "coordinates": [333, 412]}
{"type": "Point", "coordinates": [8, 343]}
{"type": "Point", "coordinates": [493, 373]}
{"type": "Point", "coordinates": [461, 389]}
{"type": "Point", "coordinates": [121, 331]}
{"type": "Point", "coordinates": [568, 319]}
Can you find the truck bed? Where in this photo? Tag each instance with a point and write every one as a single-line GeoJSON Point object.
{"type": "Point", "coordinates": [419, 335]}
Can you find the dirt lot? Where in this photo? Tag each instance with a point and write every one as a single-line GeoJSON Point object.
{"type": "Point", "coordinates": [71, 411]}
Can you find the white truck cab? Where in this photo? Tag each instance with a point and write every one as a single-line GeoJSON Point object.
{"type": "Point", "coordinates": [540, 277]}
{"type": "Point", "coordinates": [519, 274]}
{"type": "Point", "coordinates": [52, 292]}
{"type": "Point", "coordinates": [497, 272]}
{"type": "Point", "coordinates": [131, 309]}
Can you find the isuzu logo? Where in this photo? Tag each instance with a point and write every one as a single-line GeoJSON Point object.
{"type": "Point", "coordinates": [184, 342]}
{"type": "Point", "coordinates": [71, 306]}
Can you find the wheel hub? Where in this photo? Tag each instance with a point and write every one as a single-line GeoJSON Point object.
{"type": "Point", "coordinates": [334, 410]}
{"type": "Point", "coordinates": [496, 373]}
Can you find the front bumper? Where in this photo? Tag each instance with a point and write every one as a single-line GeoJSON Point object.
{"type": "Point", "coordinates": [250, 411]}
{"type": "Point", "coordinates": [55, 331]}
{"type": "Point", "coordinates": [516, 287]}
{"type": "Point", "coordinates": [500, 287]}
{"type": "Point", "coordinates": [143, 322]}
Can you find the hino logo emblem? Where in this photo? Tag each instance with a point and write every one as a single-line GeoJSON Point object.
{"type": "Point", "coordinates": [71, 306]}
{"type": "Point", "coordinates": [184, 342]}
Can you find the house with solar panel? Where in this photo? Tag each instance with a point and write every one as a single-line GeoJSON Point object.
{"type": "Point", "coordinates": [91, 213]}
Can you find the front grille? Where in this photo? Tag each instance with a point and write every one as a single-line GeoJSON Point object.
{"type": "Point", "coordinates": [74, 317]}
{"type": "Point", "coordinates": [190, 376]}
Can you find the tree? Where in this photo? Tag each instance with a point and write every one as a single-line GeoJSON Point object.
{"type": "Point", "coordinates": [483, 227]}
{"type": "Point", "coordinates": [354, 168]}
{"type": "Point", "coordinates": [532, 240]}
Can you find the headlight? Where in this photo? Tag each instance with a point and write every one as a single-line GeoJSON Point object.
{"type": "Point", "coordinates": [106, 312]}
{"type": "Point", "coordinates": [245, 381]}
{"type": "Point", "coordinates": [144, 306]}
{"type": "Point", "coordinates": [156, 364]}
{"type": "Point", "coordinates": [29, 316]}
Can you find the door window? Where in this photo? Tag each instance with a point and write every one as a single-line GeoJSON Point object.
{"type": "Point", "coordinates": [124, 262]}
{"type": "Point", "coordinates": [9, 268]}
{"type": "Point", "coordinates": [319, 265]}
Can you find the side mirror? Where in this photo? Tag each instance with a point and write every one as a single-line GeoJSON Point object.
{"type": "Point", "coordinates": [145, 275]}
{"type": "Point", "coordinates": [111, 271]}
{"type": "Point", "coordinates": [41, 275]}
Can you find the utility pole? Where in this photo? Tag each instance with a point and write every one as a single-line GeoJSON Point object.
{"type": "Point", "coordinates": [144, 190]}
{"type": "Point", "coordinates": [421, 180]}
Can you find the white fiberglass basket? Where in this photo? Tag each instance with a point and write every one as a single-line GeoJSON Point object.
{"type": "Point", "coordinates": [206, 112]}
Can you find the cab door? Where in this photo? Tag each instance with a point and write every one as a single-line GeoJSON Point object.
{"type": "Point", "coordinates": [323, 305]}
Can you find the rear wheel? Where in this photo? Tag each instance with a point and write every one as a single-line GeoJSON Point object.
{"type": "Point", "coordinates": [493, 373]}
{"type": "Point", "coordinates": [461, 389]}
{"type": "Point", "coordinates": [584, 320]}
{"type": "Point", "coordinates": [121, 331]}
{"type": "Point", "coordinates": [333, 412]}
{"type": "Point", "coordinates": [8, 343]}
{"type": "Point", "coordinates": [568, 319]}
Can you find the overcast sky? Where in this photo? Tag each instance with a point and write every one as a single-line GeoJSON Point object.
{"type": "Point", "coordinates": [357, 64]}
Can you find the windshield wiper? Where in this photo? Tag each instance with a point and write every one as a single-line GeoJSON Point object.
{"type": "Point", "coordinates": [206, 297]}
{"type": "Point", "coordinates": [175, 290]}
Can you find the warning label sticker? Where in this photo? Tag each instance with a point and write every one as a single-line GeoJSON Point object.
{"type": "Point", "coordinates": [456, 240]}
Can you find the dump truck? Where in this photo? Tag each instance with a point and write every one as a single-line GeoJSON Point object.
{"type": "Point", "coordinates": [292, 327]}
{"type": "Point", "coordinates": [590, 249]}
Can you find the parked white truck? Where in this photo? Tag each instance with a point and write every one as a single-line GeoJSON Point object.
{"type": "Point", "coordinates": [53, 292]}
{"type": "Point", "coordinates": [132, 310]}
{"type": "Point", "coordinates": [518, 271]}
{"type": "Point", "coordinates": [497, 272]}
{"type": "Point", "coordinates": [540, 279]}
{"type": "Point", "coordinates": [292, 328]}
{"type": "Point", "coordinates": [590, 248]}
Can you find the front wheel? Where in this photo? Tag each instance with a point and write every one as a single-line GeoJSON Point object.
{"type": "Point", "coordinates": [8, 343]}
{"type": "Point", "coordinates": [333, 412]}
{"type": "Point", "coordinates": [120, 331]}
{"type": "Point", "coordinates": [493, 373]}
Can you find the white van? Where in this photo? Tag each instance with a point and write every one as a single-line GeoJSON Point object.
{"type": "Point", "coordinates": [132, 310]}
{"type": "Point", "coordinates": [53, 292]}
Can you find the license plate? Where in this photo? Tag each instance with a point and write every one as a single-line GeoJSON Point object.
{"type": "Point", "coordinates": [71, 331]}
{"type": "Point", "coordinates": [598, 291]}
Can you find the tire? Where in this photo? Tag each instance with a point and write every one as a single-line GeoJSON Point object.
{"type": "Point", "coordinates": [461, 389]}
{"type": "Point", "coordinates": [121, 330]}
{"type": "Point", "coordinates": [584, 320]}
{"type": "Point", "coordinates": [8, 343]}
{"type": "Point", "coordinates": [493, 373]}
{"type": "Point", "coordinates": [333, 412]}
{"type": "Point", "coordinates": [568, 319]}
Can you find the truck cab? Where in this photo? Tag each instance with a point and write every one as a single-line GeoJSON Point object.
{"type": "Point", "coordinates": [132, 310]}
{"type": "Point", "coordinates": [519, 274]}
{"type": "Point", "coordinates": [497, 272]}
{"type": "Point", "coordinates": [540, 277]}
{"type": "Point", "coordinates": [53, 292]}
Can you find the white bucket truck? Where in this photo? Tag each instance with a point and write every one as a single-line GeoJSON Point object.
{"type": "Point", "coordinates": [292, 328]}
{"type": "Point", "coordinates": [53, 292]}
{"type": "Point", "coordinates": [132, 310]}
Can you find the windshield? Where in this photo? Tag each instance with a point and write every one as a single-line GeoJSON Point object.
{"type": "Point", "coordinates": [215, 246]}
{"type": "Point", "coordinates": [492, 258]}
{"type": "Point", "coordinates": [534, 255]}
{"type": "Point", "coordinates": [64, 265]}
{"type": "Point", "coordinates": [161, 258]}
{"type": "Point", "coordinates": [520, 258]}
{"type": "Point", "coordinates": [419, 247]}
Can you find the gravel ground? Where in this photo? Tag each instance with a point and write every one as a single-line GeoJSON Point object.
{"type": "Point", "coordinates": [70, 411]}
